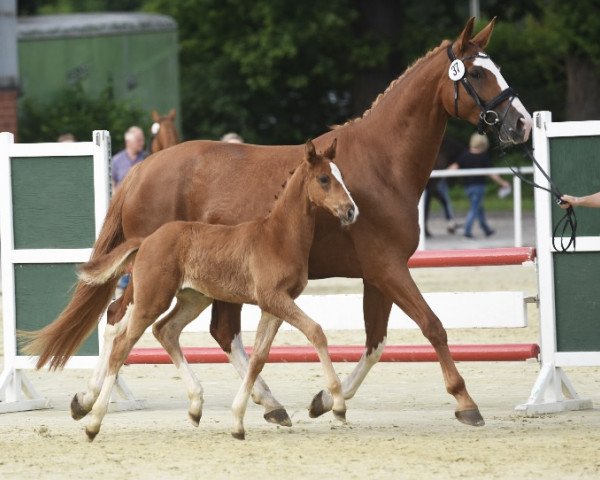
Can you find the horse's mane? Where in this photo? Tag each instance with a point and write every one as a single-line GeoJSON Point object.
{"type": "Point", "coordinates": [394, 82]}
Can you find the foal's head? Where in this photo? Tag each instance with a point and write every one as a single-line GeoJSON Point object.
{"type": "Point", "coordinates": [326, 189]}
{"type": "Point", "coordinates": [164, 131]}
{"type": "Point", "coordinates": [476, 90]}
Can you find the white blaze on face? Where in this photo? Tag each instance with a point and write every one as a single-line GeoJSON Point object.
{"type": "Point", "coordinates": [491, 66]}
{"type": "Point", "coordinates": [335, 171]}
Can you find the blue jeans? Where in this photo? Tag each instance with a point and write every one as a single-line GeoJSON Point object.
{"type": "Point", "coordinates": [476, 193]}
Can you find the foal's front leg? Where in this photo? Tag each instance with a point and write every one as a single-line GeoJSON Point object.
{"type": "Point", "coordinates": [225, 328]}
{"type": "Point", "coordinates": [265, 333]}
{"type": "Point", "coordinates": [283, 306]}
{"type": "Point", "coordinates": [376, 310]}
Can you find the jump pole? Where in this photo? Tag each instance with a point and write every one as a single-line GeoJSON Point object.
{"type": "Point", "coordinates": [350, 353]}
{"type": "Point", "coordinates": [391, 353]}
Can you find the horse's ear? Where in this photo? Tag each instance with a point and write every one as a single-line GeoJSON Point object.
{"type": "Point", "coordinates": [330, 152]}
{"type": "Point", "coordinates": [483, 37]}
{"type": "Point", "coordinates": [310, 153]}
{"type": "Point", "coordinates": [155, 116]}
{"type": "Point", "coordinates": [172, 114]}
{"type": "Point", "coordinates": [464, 38]}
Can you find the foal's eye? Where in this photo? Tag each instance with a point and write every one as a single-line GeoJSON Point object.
{"type": "Point", "coordinates": [324, 180]}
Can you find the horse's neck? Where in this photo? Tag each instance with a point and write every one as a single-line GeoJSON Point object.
{"type": "Point", "coordinates": [404, 129]}
{"type": "Point", "coordinates": [292, 217]}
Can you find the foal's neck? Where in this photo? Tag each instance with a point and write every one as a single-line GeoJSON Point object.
{"type": "Point", "coordinates": [293, 217]}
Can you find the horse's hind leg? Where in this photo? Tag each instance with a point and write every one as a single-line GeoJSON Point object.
{"type": "Point", "coordinates": [167, 330]}
{"type": "Point", "coordinates": [83, 402]}
{"type": "Point", "coordinates": [376, 310]}
{"type": "Point", "coordinates": [225, 328]}
{"type": "Point", "coordinates": [265, 333]}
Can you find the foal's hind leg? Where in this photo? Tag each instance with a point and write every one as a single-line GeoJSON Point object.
{"type": "Point", "coordinates": [225, 328]}
{"type": "Point", "coordinates": [83, 402]}
{"type": "Point", "coordinates": [265, 333]}
{"type": "Point", "coordinates": [189, 305]}
{"type": "Point", "coordinates": [376, 310]}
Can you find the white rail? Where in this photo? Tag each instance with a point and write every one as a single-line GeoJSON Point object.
{"type": "Point", "coordinates": [516, 190]}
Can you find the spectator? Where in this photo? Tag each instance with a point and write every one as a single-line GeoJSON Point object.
{"type": "Point", "coordinates": [66, 138]}
{"type": "Point", "coordinates": [127, 158]}
{"type": "Point", "coordinates": [438, 187]}
{"type": "Point", "coordinates": [477, 156]}
{"type": "Point", "coordinates": [232, 137]}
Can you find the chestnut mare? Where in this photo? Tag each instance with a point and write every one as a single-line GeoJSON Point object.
{"type": "Point", "coordinates": [386, 155]}
{"type": "Point", "coordinates": [263, 262]}
{"type": "Point", "coordinates": [164, 131]}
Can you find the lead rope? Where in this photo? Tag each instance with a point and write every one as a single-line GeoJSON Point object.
{"type": "Point", "coordinates": [568, 220]}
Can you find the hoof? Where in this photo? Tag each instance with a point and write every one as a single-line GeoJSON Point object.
{"type": "Point", "coordinates": [278, 416]}
{"type": "Point", "coordinates": [77, 410]}
{"type": "Point", "coordinates": [90, 435]}
{"type": "Point", "coordinates": [317, 406]}
{"type": "Point", "coordinates": [340, 415]}
{"type": "Point", "coordinates": [470, 417]}
{"type": "Point", "coordinates": [239, 435]}
{"type": "Point", "coordinates": [195, 418]}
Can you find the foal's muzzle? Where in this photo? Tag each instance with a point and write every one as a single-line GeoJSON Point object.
{"type": "Point", "coordinates": [348, 215]}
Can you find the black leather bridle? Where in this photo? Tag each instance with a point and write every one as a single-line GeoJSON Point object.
{"type": "Point", "coordinates": [488, 116]}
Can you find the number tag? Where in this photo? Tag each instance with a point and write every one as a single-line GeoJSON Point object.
{"type": "Point", "coordinates": [456, 70]}
{"type": "Point", "coordinates": [155, 128]}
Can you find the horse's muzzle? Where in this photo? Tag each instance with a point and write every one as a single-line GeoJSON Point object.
{"type": "Point", "coordinates": [516, 127]}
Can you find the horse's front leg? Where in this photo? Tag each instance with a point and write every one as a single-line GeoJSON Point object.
{"type": "Point", "coordinates": [395, 281]}
{"type": "Point", "coordinates": [225, 329]}
{"type": "Point", "coordinates": [265, 333]}
{"type": "Point", "coordinates": [376, 310]}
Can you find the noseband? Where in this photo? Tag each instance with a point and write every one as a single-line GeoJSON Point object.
{"type": "Point", "coordinates": [488, 116]}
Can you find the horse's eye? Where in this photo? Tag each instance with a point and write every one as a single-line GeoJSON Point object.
{"type": "Point", "coordinates": [476, 73]}
{"type": "Point", "coordinates": [324, 180]}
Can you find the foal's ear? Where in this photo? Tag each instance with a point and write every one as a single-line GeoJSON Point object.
{"type": "Point", "coordinates": [330, 152]}
{"type": "Point", "coordinates": [310, 153]}
{"type": "Point", "coordinates": [172, 114]}
{"type": "Point", "coordinates": [483, 37]}
{"type": "Point", "coordinates": [155, 116]}
{"type": "Point", "coordinates": [464, 38]}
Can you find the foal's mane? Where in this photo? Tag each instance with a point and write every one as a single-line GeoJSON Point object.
{"type": "Point", "coordinates": [394, 82]}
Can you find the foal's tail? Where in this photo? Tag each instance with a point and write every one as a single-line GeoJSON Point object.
{"type": "Point", "coordinates": [58, 341]}
{"type": "Point", "coordinates": [111, 266]}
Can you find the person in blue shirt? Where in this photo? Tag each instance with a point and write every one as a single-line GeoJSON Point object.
{"type": "Point", "coordinates": [125, 159]}
{"type": "Point", "coordinates": [121, 164]}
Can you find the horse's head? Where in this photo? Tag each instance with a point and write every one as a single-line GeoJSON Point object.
{"type": "Point", "coordinates": [325, 186]}
{"type": "Point", "coordinates": [477, 92]}
{"type": "Point", "coordinates": [164, 131]}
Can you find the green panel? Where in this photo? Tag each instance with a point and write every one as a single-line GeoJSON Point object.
{"type": "Point", "coordinates": [577, 301]}
{"type": "Point", "coordinates": [53, 202]}
{"type": "Point", "coordinates": [42, 292]}
{"type": "Point", "coordinates": [140, 67]}
{"type": "Point", "coordinates": [575, 168]}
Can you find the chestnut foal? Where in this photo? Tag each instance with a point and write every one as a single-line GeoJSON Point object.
{"type": "Point", "coordinates": [262, 262]}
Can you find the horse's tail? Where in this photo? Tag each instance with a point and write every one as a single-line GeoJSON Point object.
{"type": "Point", "coordinates": [58, 341]}
{"type": "Point", "coordinates": [111, 266]}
